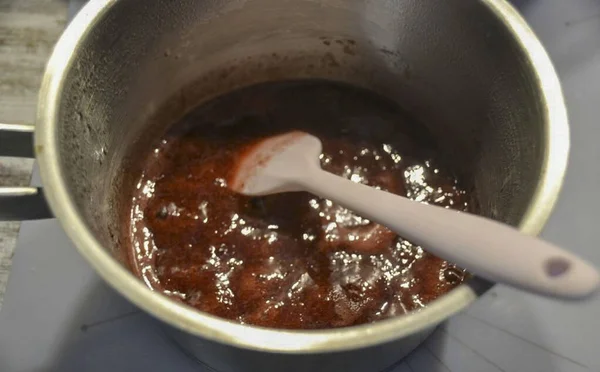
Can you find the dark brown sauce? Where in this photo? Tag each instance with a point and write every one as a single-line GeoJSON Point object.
{"type": "Point", "coordinates": [290, 260]}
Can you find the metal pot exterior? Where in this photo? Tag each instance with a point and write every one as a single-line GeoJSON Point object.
{"type": "Point", "coordinates": [224, 358]}
{"type": "Point", "coordinates": [472, 71]}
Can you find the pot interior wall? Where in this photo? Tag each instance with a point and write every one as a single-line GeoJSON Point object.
{"type": "Point", "coordinates": [449, 63]}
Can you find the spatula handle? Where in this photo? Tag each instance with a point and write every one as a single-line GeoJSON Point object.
{"type": "Point", "coordinates": [487, 248]}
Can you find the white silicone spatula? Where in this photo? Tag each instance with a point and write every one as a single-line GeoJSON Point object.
{"type": "Point", "coordinates": [498, 252]}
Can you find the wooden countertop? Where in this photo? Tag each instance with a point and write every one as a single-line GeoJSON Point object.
{"type": "Point", "coordinates": [28, 31]}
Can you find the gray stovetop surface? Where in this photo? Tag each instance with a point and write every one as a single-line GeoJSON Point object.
{"type": "Point", "coordinates": [59, 316]}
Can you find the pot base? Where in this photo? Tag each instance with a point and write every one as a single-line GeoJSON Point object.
{"type": "Point", "coordinates": [221, 358]}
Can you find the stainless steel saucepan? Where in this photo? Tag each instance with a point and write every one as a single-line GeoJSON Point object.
{"type": "Point", "coordinates": [124, 70]}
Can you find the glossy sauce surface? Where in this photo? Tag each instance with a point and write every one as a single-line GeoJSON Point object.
{"type": "Point", "coordinates": [291, 260]}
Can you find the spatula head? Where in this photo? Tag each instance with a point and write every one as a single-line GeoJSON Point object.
{"type": "Point", "coordinates": [275, 164]}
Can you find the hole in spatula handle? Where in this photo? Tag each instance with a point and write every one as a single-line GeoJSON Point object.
{"type": "Point", "coordinates": [557, 266]}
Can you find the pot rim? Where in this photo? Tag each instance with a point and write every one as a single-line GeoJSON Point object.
{"type": "Point", "coordinates": [287, 341]}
